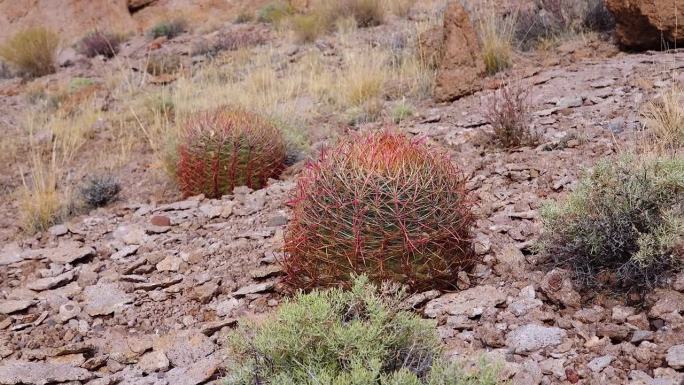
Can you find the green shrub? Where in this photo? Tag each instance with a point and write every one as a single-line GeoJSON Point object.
{"type": "Point", "coordinates": [170, 29]}
{"type": "Point", "coordinates": [274, 12]}
{"type": "Point", "coordinates": [32, 51]}
{"type": "Point", "coordinates": [337, 337]}
{"type": "Point", "coordinates": [623, 226]}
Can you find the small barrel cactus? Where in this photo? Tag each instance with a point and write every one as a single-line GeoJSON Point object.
{"type": "Point", "coordinates": [228, 147]}
{"type": "Point", "coordinates": [383, 205]}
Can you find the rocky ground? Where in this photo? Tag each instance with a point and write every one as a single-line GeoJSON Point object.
{"type": "Point", "coordinates": [145, 294]}
{"type": "Point", "coordinates": [142, 293]}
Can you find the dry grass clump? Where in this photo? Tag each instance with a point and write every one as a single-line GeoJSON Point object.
{"type": "Point", "coordinates": [663, 120]}
{"type": "Point", "coordinates": [41, 204]}
{"type": "Point", "coordinates": [346, 337]}
{"type": "Point", "coordinates": [162, 64]}
{"type": "Point", "coordinates": [623, 227]}
{"type": "Point", "coordinates": [384, 205]}
{"type": "Point", "coordinates": [496, 38]}
{"type": "Point", "coordinates": [508, 112]}
{"type": "Point", "coordinates": [32, 51]}
{"type": "Point", "coordinates": [225, 148]}
{"type": "Point", "coordinates": [100, 43]}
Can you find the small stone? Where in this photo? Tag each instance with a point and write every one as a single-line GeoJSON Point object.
{"type": "Point", "coordinates": [205, 292]}
{"type": "Point", "coordinates": [570, 102]}
{"type": "Point", "coordinates": [641, 335]}
{"type": "Point", "coordinates": [226, 307]}
{"type": "Point", "coordinates": [599, 363]}
{"type": "Point", "coordinates": [178, 206]}
{"type": "Point", "coordinates": [528, 374]}
{"type": "Point", "coordinates": [210, 211]}
{"type": "Point", "coordinates": [266, 271]}
{"type": "Point", "coordinates": [210, 328]}
{"type": "Point", "coordinates": [253, 289]}
{"type": "Point", "coordinates": [69, 252]}
{"type": "Point", "coordinates": [675, 357]}
{"type": "Point", "coordinates": [13, 306]}
{"type": "Point", "coordinates": [104, 299]}
{"type": "Point", "coordinates": [51, 282]}
{"type": "Point", "coordinates": [154, 361]}
{"type": "Point", "coordinates": [10, 253]}
{"type": "Point", "coordinates": [197, 373]}
{"type": "Point", "coordinates": [558, 287]}
{"type": "Point", "coordinates": [620, 313]}
{"type": "Point", "coordinates": [125, 252]}
{"type": "Point", "coordinates": [76, 359]}
{"type": "Point", "coordinates": [523, 306]}
{"type": "Point", "coordinates": [184, 348]}
{"type": "Point", "coordinates": [470, 302]}
{"type": "Point", "coordinates": [68, 311]}
{"type": "Point", "coordinates": [170, 263]}
{"type": "Point", "coordinates": [58, 230]}
{"type": "Point", "coordinates": [613, 331]}
{"type": "Point", "coordinates": [533, 337]}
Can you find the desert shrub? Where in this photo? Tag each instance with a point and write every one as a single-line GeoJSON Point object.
{"type": "Point", "coordinates": [99, 190]}
{"type": "Point", "coordinates": [401, 111]}
{"type": "Point", "coordinates": [32, 51]}
{"type": "Point", "coordinates": [221, 149]}
{"type": "Point", "coordinates": [508, 112]}
{"type": "Point", "coordinates": [384, 205]}
{"type": "Point", "coordinates": [168, 28]}
{"type": "Point", "coordinates": [100, 43]}
{"type": "Point", "coordinates": [307, 27]}
{"type": "Point", "coordinates": [238, 39]}
{"type": "Point", "coordinates": [345, 337]}
{"type": "Point", "coordinates": [163, 63]}
{"type": "Point", "coordinates": [496, 37]}
{"type": "Point", "coordinates": [623, 227]}
{"type": "Point", "coordinates": [598, 17]}
{"type": "Point", "coordinates": [367, 13]}
{"type": "Point", "coordinates": [244, 16]}
{"type": "Point", "coordinates": [664, 120]}
{"type": "Point", "coordinates": [274, 12]}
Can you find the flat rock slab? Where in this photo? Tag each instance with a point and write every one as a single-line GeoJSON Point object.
{"type": "Point", "coordinates": [10, 254]}
{"type": "Point", "coordinates": [533, 337]}
{"type": "Point", "coordinates": [40, 373]}
{"type": "Point", "coordinates": [105, 299]}
{"type": "Point", "coordinates": [69, 252]}
{"type": "Point", "coordinates": [11, 306]}
{"type": "Point", "coordinates": [51, 282]}
{"type": "Point", "coordinates": [184, 348]}
{"type": "Point", "coordinates": [197, 373]}
{"type": "Point", "coordinates": [469, 302]}
{"type": "Point", "coordinates": [675, 357]}
{"type": "Point", "coordinates": [253, 289]}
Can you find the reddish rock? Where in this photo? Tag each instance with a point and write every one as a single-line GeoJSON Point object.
{"type": "Point", "coordinates": [160, 220]}
{"type": "Point", "coordinates": [456, 52]}
{"type": "Point", "coordinates": [644, 24]}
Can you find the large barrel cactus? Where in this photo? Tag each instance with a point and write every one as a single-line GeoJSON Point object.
{"type": "Point", "coordinates": [383, 205]}
{"type": "Point", "coordinates": [228, 147]}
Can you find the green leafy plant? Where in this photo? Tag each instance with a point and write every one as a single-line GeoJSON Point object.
{"type": "Point", "coordinates": [623, 227]}
{"type": "Point", "coordinates": [32, 51]}
{"type": "Point", "coordinates": [225, 148]}
{"type": "Point", "coordinates": [384, 205]}
{"type": "Point", "coordinates": [337, 337]}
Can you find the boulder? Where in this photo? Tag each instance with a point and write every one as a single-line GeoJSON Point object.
{"type": "Point", "coordinates": [455, 51]}
{"type": "Point", "coordinates": [644, 24]}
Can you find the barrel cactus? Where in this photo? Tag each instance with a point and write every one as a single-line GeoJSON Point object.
{"type": "Point", "coordinates": [228, 147]}
{"type": "Point", "coordinates": [383, 205]}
